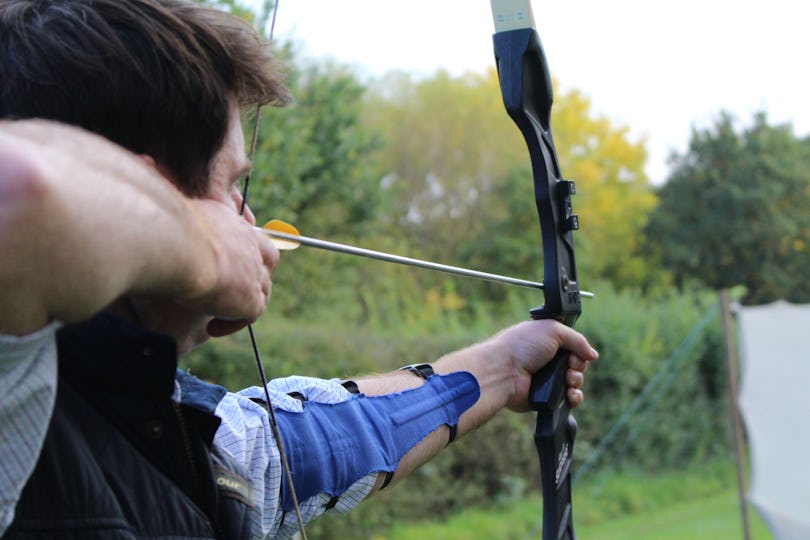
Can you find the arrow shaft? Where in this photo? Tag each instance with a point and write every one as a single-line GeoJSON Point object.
{"type": "Point", "coordinates": [408, 261]}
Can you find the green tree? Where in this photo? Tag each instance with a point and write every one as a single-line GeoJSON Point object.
{"type": "Point", "coordinates": [614, 196]}
{"type": "Point", "coordinates": [313, 168]}
{"type": "Point", "coordinates": [460, 175]}
{"type": "Point", "coordinates": [734, 211]}
{"type": "Point", "coordinates": [447, 140]}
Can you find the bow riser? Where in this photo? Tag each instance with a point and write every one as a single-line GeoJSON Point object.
{"type": "Point", "coordinates": [527, 96]}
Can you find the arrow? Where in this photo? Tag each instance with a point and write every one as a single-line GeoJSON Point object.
{"type": "Point", "coordinates": [286, 237]}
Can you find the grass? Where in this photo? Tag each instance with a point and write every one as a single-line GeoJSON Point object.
{"type": "Point", "coordinates": [685, 506]}
{"type": "Point", "coordinates": [716, 517]}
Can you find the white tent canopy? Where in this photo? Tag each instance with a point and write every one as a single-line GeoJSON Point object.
{"type": "Point", "coordinates": [775, 404]}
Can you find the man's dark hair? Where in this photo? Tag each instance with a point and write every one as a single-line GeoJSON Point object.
{"type": "Point", "coordinates": [155, 76]}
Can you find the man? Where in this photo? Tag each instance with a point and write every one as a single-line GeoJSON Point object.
{"type": "Point", "coordinates": [123, 246]}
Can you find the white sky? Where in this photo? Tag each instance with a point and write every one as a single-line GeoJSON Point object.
{"type": "Point", "coordinates": [658, 68]}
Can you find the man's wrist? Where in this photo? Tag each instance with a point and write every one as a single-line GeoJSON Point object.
{"type": "Point", "coordinates": [420, 370]}
{"type": "Point", "coordinates": [425, 371]}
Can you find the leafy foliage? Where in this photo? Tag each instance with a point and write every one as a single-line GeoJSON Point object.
{"type": "Point", "coordinates": [734, 211]}
{"type": "Point", "coordinates": [614, 196]}
{"type": "Point", "coordinates": [685, 425]}
{"type": "Point", "coordinates": [451, 183]}
{"type": "Point", "coordinates": [459, 175]}
{"type": "Point", "coordinates": [312, 168]}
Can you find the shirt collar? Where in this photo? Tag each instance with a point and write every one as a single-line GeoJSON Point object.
{"type": "Point", "coordinates": [112, 352]}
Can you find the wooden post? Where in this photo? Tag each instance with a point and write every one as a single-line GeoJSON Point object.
{"type": "Point", "coordinates": [736, 424]}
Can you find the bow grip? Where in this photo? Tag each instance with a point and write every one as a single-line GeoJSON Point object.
{"type": "Point", "coordinates": [548, 386]}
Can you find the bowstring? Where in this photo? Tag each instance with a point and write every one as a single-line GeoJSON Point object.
{"type": "Point", "coordinates": [259, 364]}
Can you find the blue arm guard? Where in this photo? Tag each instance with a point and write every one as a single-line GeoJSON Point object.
{"type": "Point", "coordinates": [331, 446]}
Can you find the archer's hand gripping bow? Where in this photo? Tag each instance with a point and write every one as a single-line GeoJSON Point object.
{"type": "Point", "coordinates": [527, 96]}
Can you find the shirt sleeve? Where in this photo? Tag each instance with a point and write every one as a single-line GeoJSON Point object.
{"type": "Point", "coordinates": [27, 394]}
{"type": "Point", "coordinates": [245, 433]}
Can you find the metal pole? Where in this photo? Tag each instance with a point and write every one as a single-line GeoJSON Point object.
{"type": "Point", "coordinates": [737, 431]}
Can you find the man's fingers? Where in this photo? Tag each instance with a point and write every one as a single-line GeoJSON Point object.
{"type": "Point", "coordinates": [575, 342]}
{"type": "Point", "coordinates": [267, 248]}
{"type": "Point", "coordinates": [244, 261]}
{"type": "Point", "coordinates": [574, 378]}
{"type": "Point", "coordinates": [575, 397]}
{"type": "Point", "coordinates": [577, 363]}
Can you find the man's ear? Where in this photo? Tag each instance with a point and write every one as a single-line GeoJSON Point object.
{"type": "Point", "coordinates": [149, 160]}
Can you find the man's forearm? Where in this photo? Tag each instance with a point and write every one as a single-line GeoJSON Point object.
{"type": "Point", "coordinates": [82, 222]}
{"type": "Point", "coordinates": [486, 361]}
{"type": "Point", "coordinates": [502, 366]}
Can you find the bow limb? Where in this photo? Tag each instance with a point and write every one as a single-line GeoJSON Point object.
{"type": "Point", "coordinates": [527, 95]}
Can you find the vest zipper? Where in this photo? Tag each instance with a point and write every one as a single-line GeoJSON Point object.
{"type": "Point", "coordinates": [195, 473]}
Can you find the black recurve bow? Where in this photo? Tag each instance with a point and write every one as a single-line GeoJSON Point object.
{"type": "Point", "coordinates": [527, 95]}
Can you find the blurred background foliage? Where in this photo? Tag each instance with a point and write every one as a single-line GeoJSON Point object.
{"type": "Point", "coordinates": [433, 168]}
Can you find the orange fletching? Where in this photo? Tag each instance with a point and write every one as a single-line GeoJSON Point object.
{"type": "Point", "coordinates": [276, 225]}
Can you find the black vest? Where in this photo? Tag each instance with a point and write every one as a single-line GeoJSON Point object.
{"type": "Point", "coordinates": [121, 459]}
